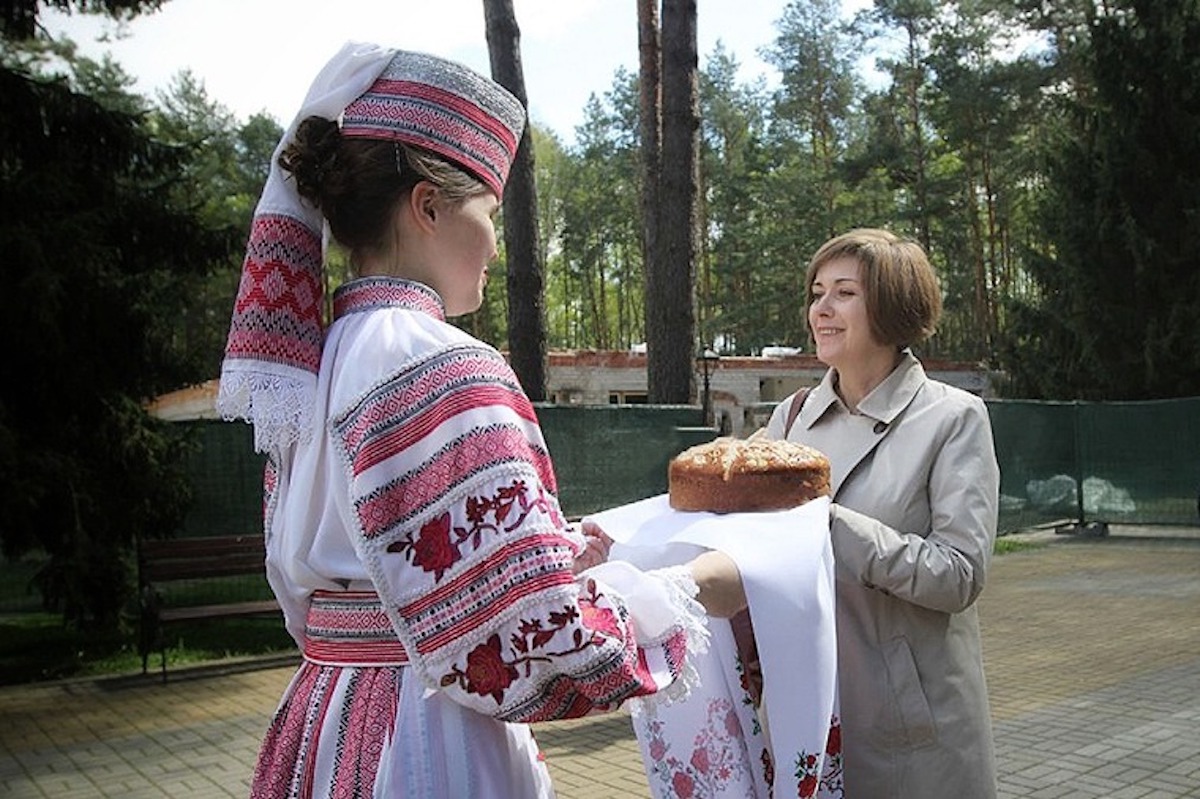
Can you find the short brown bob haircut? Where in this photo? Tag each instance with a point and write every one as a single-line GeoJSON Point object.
{"type": "Point", "coordinates": [900, 288]}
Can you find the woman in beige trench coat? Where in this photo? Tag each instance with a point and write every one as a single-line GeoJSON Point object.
{"type": "Point", "coordinates": [916, 490]}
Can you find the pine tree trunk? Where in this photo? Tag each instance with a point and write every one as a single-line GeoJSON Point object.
{"type": "Point", "coordinates": [670, 314]}
{"type": "Point", "coordinates": [650, 131]}
{"type": "Point", "coordinates": [526, 310]}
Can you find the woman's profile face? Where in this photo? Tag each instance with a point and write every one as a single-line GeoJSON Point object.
{"type": "Point", "coordinates": [837, 315]}
{"type": "Point", "coordinates": [467, 241]}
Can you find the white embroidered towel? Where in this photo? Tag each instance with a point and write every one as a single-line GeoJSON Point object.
{"type": "Point", "coordinates": [786, 562]}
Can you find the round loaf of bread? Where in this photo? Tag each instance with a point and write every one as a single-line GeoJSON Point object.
{"type": "Point", "coordinates": [731, 475]}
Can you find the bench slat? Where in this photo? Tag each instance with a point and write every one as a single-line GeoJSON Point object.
{"type": "Point", "coordinates": [203, 547]}
{"type": "Point", "coordinates": [219, 611]}
{"type": "Point", "coordinates": [167, 571]}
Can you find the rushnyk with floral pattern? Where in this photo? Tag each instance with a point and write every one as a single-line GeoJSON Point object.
{"type": "Point", "coordinates": [717, 743]}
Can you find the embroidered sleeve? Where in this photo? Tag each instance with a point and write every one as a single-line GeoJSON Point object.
{"type": "Point", "coordinates": [452, 493]}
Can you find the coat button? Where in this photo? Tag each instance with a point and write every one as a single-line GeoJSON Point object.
{"type": "Point", "coordinates": [880, 427]}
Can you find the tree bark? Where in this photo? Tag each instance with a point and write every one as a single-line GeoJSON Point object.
{"type": "Point", "coordinates": [670, 314]}
{"type": "Point", "coordinates": [650, 130]}
{"type": "Point", "coordinates": [526, 303]}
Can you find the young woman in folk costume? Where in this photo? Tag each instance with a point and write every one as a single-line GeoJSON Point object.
{"type": "Point", "coordinates": [414, 538]}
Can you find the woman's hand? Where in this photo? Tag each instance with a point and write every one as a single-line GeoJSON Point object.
{"type": "Point", "coordinates": [720, 584]}
{"type": "Point", "coordinates": [596, 551]}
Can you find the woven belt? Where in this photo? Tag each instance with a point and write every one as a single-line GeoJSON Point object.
{"type": "Point", "coordinates": [349, 628]}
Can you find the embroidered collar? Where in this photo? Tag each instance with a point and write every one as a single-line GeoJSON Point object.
{"type": "Point", "coordinates": [370, 293]}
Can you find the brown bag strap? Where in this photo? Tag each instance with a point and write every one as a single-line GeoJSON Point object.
{"type": "Point", "coordinates": [794, 409]}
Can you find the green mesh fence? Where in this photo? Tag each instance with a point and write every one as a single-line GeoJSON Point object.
{"type": "Point", "coordinates": [1137, 462]}
{"type": "Point", "coordinates": [608, 455]}
{"type": "Point", "coordinates": [1140, 461]}
{"type": "Point", "coordinates": [1114, 462]}
{"type": "Point", "coordinates": [603, 456]}
{"type": "Point", "coordinates": [1035, 445]}
{"type": "Point", "coordinates": [226, 480]}
{"type": "Point", "coordinates": [227, 498]}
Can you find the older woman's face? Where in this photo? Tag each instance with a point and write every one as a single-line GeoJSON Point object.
{"type": "Point", "coordinates": [838, 315]}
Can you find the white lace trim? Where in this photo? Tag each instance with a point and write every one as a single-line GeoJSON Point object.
{"type": "Point", "coordinates": [682, 591]}
{"type": "Point", "coordinates": [280, 406]}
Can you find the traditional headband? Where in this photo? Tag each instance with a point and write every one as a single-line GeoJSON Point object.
{"type": "Point", "coordinates": [444, 107]}
{"type": "Point", "coordinates": [273, 352]}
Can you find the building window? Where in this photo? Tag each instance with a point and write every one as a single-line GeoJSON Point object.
{"type": "Point", "coordinates": [566, 396]}
{"type": "Point", "coordinates": [628, 398]}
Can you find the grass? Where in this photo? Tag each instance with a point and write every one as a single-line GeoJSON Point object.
{"type": "Point", "coordinates": [37, 646]}
{"type": "Point", "coordinates": [1006, 544]}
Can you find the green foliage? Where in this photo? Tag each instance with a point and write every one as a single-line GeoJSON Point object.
{"type": "Point", "coordinates": [599, 274]}
{"type": "Point", "coordinates": [18, 18]}
{"type": "Point", "coordinates": [222, 172]}
{"type": "Point", "coordinates": [101, 259]}
{"type": "Point", "coordinates": [1119, 277]}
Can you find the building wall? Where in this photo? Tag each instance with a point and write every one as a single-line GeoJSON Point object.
{"type": "Point", "coordinates": [743, 390]}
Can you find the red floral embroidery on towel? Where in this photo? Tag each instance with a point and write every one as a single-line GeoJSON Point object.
{"type": "Point", "coordinates": [715, 761]}
{"type": "Point", "coordinates": [825, 773]}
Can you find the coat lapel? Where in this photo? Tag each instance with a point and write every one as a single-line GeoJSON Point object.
{"type": "Point", "coordinates": [846, 445]}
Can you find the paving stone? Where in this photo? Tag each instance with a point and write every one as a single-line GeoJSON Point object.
{"type": "Point", "coordinates": [1092, 650]}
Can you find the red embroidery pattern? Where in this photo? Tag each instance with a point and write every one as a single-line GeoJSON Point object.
{"type": "Point", "coordinates": [716, 759]}
{"type": "Point", "coordinates": [489, 672]}
{"type": "Point", "coordinates": [768, 765]}
{"type": "Point", "coordinates": [277, 314]}
{"type": "Point", "coordinates": [393, 406]}
{"type": "Point", "coordinates": [480, 450]}
{"type": "Point", "coordinates": [831, 779]}
{"type": "Point", "coordinates": [747, 701]}
{"type": "Point", "coordinates": [438, 545]}
{"type": "Point", "coordinates": [456, 137]}
{"type": "Point", "coordinates": [809, 769]}
{"type": "Point", "coordinates": [366, 725]}
{"type": "Point", "coordinates": [369, 293]}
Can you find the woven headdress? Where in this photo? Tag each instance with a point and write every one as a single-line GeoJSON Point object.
{"type": "Point", "coordinates": [273, 353]}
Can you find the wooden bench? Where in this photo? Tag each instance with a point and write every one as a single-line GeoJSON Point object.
{"type": "Point", "coordinates": [172, 560]}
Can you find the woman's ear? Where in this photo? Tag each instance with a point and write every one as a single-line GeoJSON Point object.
{"type": "Point", "coordinates": [423, 204]}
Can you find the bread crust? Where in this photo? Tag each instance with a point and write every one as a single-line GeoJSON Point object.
{"type": "Point", "coordinates": [731, 475]}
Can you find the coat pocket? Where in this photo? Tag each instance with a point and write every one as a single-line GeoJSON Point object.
{"type": "Point", "coordinates": [915, 726]}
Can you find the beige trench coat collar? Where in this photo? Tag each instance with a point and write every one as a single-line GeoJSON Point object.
{"type": "Point", "coordinates": [884, 405]}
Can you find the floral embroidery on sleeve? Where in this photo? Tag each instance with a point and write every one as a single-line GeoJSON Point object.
{"type": "Point", "coordinates": [438, 545]}
{"type": "Point", "coordinates": [490, 671]}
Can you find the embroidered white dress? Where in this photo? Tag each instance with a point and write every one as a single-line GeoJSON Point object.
{"type": "Point", "coordinates": [417, 548]}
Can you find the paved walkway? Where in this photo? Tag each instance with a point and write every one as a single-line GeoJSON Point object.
{"type": "Point", "coordinates": [1093, 660]}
